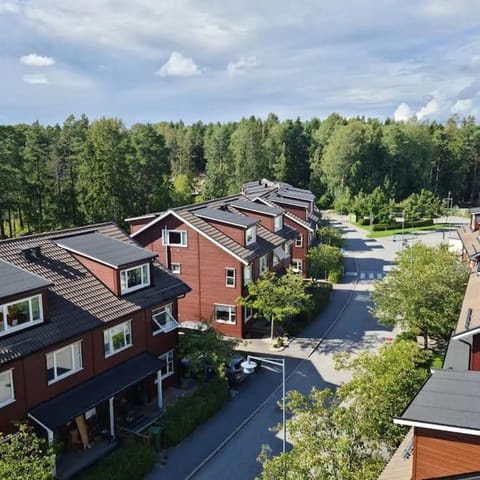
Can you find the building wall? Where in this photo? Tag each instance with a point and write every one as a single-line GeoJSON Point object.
{"type": "Point", "coordinates": [441, 454]}
{"type": "Point", "coordinates": [16, 410]}
{"type": "Point", "coordinates": [202, 267]}
{"type": "Point", "coordinates": [299, 252]}
{"type": "Point", "coordinates": [298, 211]}
{"type": "Point", "coordinates": [107, 275]}
{"type": "Point", "coordinates": [266, 220]}
{"type": "Point", "coordinates": [235, 233]}
{"type": "Point", "coordinates": [475, 355]}
{"type": "Point", "coordinates": [136, 225]}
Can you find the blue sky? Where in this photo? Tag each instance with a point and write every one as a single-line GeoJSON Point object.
{"type": "Point", "coordinates": [219, 60]}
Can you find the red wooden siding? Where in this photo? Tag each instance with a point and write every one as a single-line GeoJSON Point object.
{"type": "Point", "coordinates": [441, 454]}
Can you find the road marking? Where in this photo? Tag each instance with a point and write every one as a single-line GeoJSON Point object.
{"type": "Point", "coordinates": [351, 274]}
{"type": "Point", "coordinates": [371, 276]}
{"type": "Point", "coordinates": [379, 276]}
{"type": "Point", "coordinates": [362, 275]}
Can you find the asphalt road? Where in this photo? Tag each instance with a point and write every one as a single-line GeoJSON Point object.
{"type": "Point", "coordinates": [228, 445]}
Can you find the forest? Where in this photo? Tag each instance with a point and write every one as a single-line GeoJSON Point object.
{"type": "Point", "coordinates": [92, 171]}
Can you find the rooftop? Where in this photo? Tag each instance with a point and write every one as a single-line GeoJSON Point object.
{"type": "Point", "coordinates": [224, 216]}
{"type": "Point", "coordinates": [469, 319]}
{"type": "Point", "coordinates": [14, 280]}
{"type": "Point", "coordinates": [470, 241]}
{"type": "Point", "coordinates": [77, 300]}
{"type": "Point", "coordinates": [257, 207]}
{"type": "Point", "coordinates": [105, 249]}
{"type": "Point", "coordinates": [287, 201]}
{"type": "Point", "coordinates": [447, 401]}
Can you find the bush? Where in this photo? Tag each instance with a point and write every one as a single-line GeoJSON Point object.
{"type": "Point", "coordinates": [426, 222]}
{"type": "Point", "coordinates": [132, 461]}
{"type": "Point", "coordinates": [334, 276]}
{"type": "Point", "coordinates": [186, 414]}
{"type": "Point", "coordinates": [386, 226]}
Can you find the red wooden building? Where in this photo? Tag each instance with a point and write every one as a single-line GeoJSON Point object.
{"type": "Point", "coordinates": [445, 413]}
{"type": "Point", "coordinates": [87, 332]}
{"type": "Point", "coordinates": [220, 246]}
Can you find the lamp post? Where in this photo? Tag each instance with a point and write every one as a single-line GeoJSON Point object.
{"type": "Point", "coordinates": [249, 366]}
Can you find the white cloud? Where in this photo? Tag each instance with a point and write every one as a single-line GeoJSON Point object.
{"type": "Point", "coordinates": [403, 113]}
{"type": "Point", "coordinates": [178, 66]}
{"type": "Point", "coordinates": [8, 7]}
{"type": "Point", "coordinates": [35, 79]}
{"type": "Point", "coordinates": [241, 65]}
{"type": "Point", "coordinates": [429, 110]}
{"type": "Point", "coordinates": [463, 107]}
{"type": "Point", "coordinates": [34, 60]}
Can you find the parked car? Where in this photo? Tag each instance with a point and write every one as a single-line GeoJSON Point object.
{"type": "Point", "coordinates": [234, 371]}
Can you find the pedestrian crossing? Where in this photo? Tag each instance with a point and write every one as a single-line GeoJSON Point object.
{"type": "Point", "coordinates": [366, 275]}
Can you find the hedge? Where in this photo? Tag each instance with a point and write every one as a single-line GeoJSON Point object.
{"type": "Point", "coordinates": [186, 414]}
{"type": "Point", "coordinates": [132, 461]}
{"type": "Point", "coordinates": [393, 226]}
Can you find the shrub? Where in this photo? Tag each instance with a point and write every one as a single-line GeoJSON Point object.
{"type": "Point", "coordinates": [334, 276]}
{"type": "Point", "coordinates": [132, 461]}
{"type": "Point", "coordinates": [186, 414]}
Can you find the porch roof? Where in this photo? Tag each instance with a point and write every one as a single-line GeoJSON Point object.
{"type": "Point", "coordinates": [64, 407]}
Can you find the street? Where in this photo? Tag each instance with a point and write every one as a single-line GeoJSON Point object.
{"type": "Point", "coordinates": [228, 445]}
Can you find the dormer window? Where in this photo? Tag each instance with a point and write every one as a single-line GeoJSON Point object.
{"type": "Point", "coordinates": [278, 223]}
{"type": "Point", "coordinates": [134, 278]}
{"type": "Point", "coordinates": [251, 235]}
{"type": "Point", "coordinates": [20, 314]}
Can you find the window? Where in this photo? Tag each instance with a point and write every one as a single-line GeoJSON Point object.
{"type": "Point", "coordinates": [225, 314]}
{"type": "Point", "coordinates": [247, 313]}
{"type": "Point", "coordinates": [288, 250]}
{"type": "Point", "coordinates": [175, 238]}
{"type": "Point", "coordinates": [297, 265]}
{"type": "Point", "coordinates": [278, 223]}
{"type": "Point", "coordinates": [64, 362]}
{"type": "Point", "coordinates": [20, 314]}
{"type": "Point", "coordinates": [278, 255]}
{"type": "Point", "coordinates": [6, 388]}
{"type": "Point", "coordinates": [230, 277]}
{"type": "Point", "coordinates": [176, 268]}
{"type": "Point", "coordinates": [163, 320]}
{"type": "Point", "coordinates": [263, 264]}
{"type": "Point", "coordinates": [117, 338]}
{"type": "Point", "coordinates": [247, 274]}
{"type": "Point", "coordinates": [168, 365]}
{"type": "Point", "coordinates": [251, 235]}
{"type": "Point", "coordinates": [134, 278]}
{"type": "Point", "coordinates": [299, 241]}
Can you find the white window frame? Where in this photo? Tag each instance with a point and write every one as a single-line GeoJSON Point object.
{"type": "Point", "coordinates": [20, 326]}
{"type": "Point", "coordinates": [297, 265]}
{"type": "Point", "coordinates": [251, 235]}
{"type": "Point", "coordinates": [247, 274]}
{"type": "Point", "coordinates": [76, 368]}
{"type": "Point", "coordinates": [278, 223]}
{"type": "Point", "coordinates": [171, 323]}
{"type": "Point", "coordinates": [144, 278]}
{"type": "Point", "coordinates": [8, 383]}
{"type": "Point", "coordinates": [107, 336]}
{"type": "Point", "coordinates": [230, 278]}
{"type": "Point", "coordinates": [166, 238]}
{"type": "Point", "coordinates": [263, 263]}
{"type": "Point", "coordinates": [299, 241]}
{"type": "Point", "coordinates": [176, 268]}
{"type": "Point", "coordinates": [232, 314]}
{"type": "Point", "coordinates": [247, 316]}
{"type": "Point", "coordinates": [169, 362]}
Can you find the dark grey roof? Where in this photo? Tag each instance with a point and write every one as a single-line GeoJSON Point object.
{"type": "Point", "coordinates": [14, 280]}
{"type": "Point", "coordinates": [64, 407]}
{"type": "Point", "coordinates": [448, 398]}
{"type": "Point", "coordinates": [457, 356]}
{"type": "Point", "coordinates": [225, 216]}
{"type": "Point", "coordinates": [104, 249]}
{"type": "Point", "coordinates": [287, 201]}
{"type": "Point", "coordinates": [297, 194]}
{"type": "Point", "coordinates": [257, 207]}
{"type": "Point", "coordinates": [77, 301]}
{"type": "Point", "coordinates": [475, 210]}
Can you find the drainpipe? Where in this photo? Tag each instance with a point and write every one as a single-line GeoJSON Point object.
{"type": "Point", "coordinates": [112, 417]}
{"type": "Point", "coordinates": [159, 389]}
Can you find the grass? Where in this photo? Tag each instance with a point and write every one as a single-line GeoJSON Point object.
{"type": "Point", "coordinates": [396, 231]}
{"type": "Point", "coordinates": [437, 361]}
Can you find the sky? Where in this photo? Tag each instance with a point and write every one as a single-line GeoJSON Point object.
{"type": "Point", "coordinates": [219, 60]}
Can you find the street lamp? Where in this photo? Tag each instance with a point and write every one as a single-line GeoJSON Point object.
{"type": "Point", "coordinates": [249, 366]}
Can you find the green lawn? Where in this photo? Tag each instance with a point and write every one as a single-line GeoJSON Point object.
{"type": "Point", "coordinates": [396, 231]}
